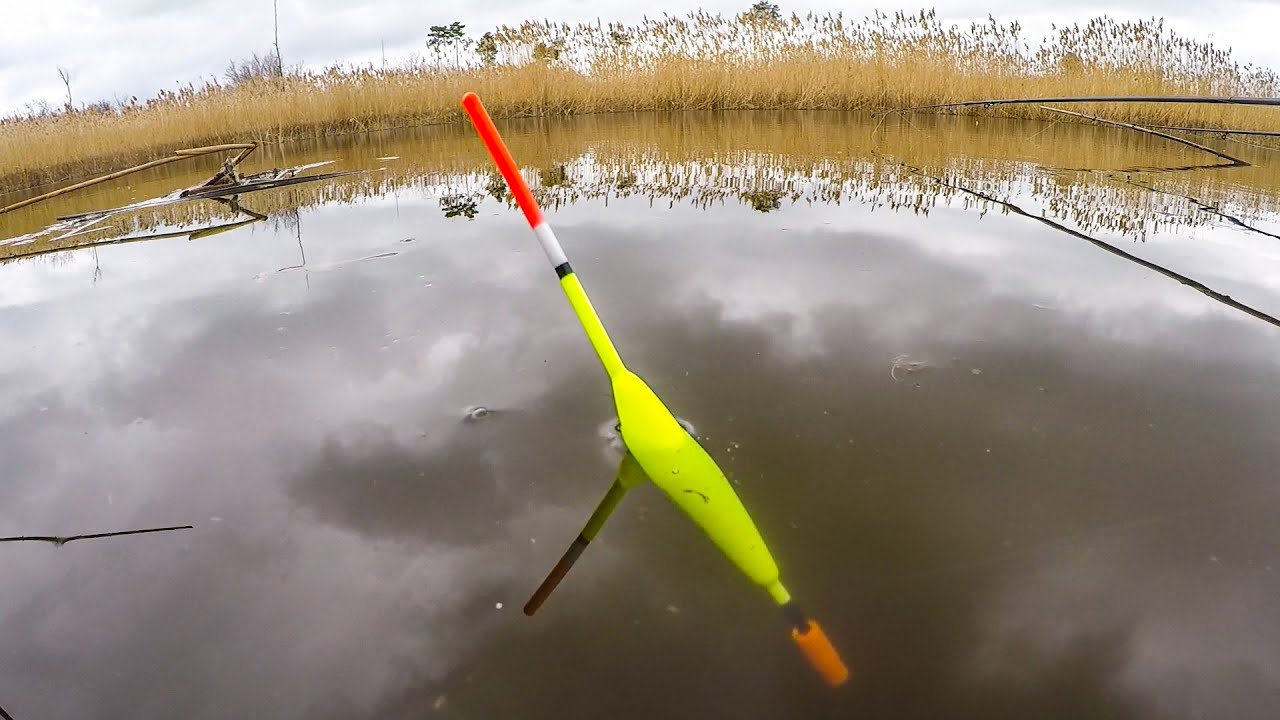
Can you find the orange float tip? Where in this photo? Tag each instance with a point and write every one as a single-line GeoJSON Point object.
{"type": "Point", "coordinates": [821, 654]}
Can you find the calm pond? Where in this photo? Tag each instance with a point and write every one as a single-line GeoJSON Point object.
{"type": "Point", "coordinates": [1019, 466]}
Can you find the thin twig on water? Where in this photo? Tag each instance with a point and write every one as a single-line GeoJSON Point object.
{"type": "Point", "coordinates": [64, 539]}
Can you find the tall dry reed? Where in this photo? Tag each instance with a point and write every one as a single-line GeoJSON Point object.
{"type": "Point", "coordinates": [700, 61]}
{"type": "Point", "coordinates": [755, 158]}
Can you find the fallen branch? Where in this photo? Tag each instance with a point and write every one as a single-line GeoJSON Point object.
{"type": "Point", "coordinates": [262, 181]}
{"type": "Point", "coordinates": [64, 539]}
{"type": "Point", "coordinates": [177, 155]}
{"type": "Point", "coordinates": [1234, 161]}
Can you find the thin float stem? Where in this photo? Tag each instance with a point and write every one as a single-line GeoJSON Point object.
{"type": "Point", "coordinates": [602, 512]}
{"type": "Point", "coordinates": [573, 289]}
{"type": "Point", "coordinates": [630, 474]}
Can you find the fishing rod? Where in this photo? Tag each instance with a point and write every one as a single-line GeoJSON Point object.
{"type": "Point", "coordinates": [658, 446]}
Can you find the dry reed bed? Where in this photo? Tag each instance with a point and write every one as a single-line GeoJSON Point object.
{"type": "Point", "coordinates": [754, 158]}
{"type": "Point", "coordinates": [701, 61]}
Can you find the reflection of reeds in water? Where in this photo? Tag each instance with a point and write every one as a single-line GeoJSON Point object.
{"type": "Point", "coordinates": [763, 160]}
{"type": "Point", "coordinates": [701, 61]}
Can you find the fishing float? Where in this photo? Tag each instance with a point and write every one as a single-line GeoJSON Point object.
{"type": "Point", "coordinates": [658, 448]}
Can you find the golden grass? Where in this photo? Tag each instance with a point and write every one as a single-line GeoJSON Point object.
{"type": "Point", "coordinates": [706, 159]}
{"type": "Point", "coordinates": [702, 61]}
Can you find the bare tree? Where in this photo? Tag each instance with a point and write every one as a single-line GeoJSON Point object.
{"type": "Point", "coordinates": [275, 11]}
{"type": "Point", "coordinates": [65, 74]}
{"type": "Point", "coordinates": [254, 68]}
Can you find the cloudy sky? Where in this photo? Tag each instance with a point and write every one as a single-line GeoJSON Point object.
{"type": "Point", "coordinates": [136, 47]}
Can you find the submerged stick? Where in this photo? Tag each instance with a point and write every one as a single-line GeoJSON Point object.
{"type": "Point", "coordinates": [1178, 99]}
{"type": "Point", "coordinates": [177, 155]}
{"type": "Point", "coordinates": [1234, 161]}
{"type": "Point", "coordinates": [63, 540]}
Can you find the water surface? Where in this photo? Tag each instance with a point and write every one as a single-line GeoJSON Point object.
{"type": "Point", "coordinates": [1012, 473]}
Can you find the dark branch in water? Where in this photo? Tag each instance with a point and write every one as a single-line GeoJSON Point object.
{"type": "Point", "coordinates": [1189, 282]}
{"type": "Point", "coordinates": [1208, 208]}
{"type": "Point", "coordinates": [1232, 161]}
{"type": "Point", "coordinates": [1184, 99]}
{"type": "Point", "coordinates": [63, 540]}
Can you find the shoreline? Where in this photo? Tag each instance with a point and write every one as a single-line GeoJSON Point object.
{"type": "Point", "coordinates": [701, 62]}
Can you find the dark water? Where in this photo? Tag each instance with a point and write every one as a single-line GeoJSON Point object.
{"type": "Point", "coordinates": [1013, 475]}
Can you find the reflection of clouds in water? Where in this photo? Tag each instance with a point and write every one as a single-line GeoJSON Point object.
{"type": "Point", "coordinates": [367, 529]}
{"type": "Point", "coordinates": [256, 619]}
{"type": "Point", "coordinates": [264, 601]}
{"type": "Point", "coordinates": [919, 490]}
{"type": "Point", "coordinates": [1019, 258]}
{"type": "Point", "coordinates": [1148, 638]}
{"type": "Point", "coordinates": [1199, 630]}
